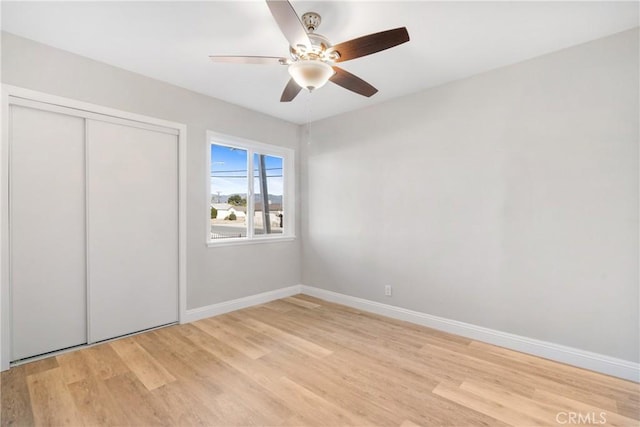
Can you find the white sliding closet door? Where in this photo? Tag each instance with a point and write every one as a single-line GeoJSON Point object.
{"type": "Point", "coordinates": [133, 229]}
{"type": "Point", "coordinates": [47, 237]}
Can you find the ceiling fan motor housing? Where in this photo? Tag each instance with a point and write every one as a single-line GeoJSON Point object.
{"type": "Point", "coordinates": [311, 20]}
{"type": "Point", "coordinates": [321, 49]}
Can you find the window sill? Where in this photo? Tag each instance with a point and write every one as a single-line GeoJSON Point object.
{"type": "Point", "coordinates": [245, 241]}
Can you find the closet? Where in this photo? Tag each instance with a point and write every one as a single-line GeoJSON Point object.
{"type": "Point", "coordinates": [93, 226]}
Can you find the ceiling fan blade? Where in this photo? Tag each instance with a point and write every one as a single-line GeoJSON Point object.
{"type": "Point", "coordinates": [289, 23]}
{"type": "Point", "coordinates": [265, 60]}
{"type": "Point", "coordinates": [290, 91]}
{"type": "Point", "coordinates": [352, 82]}
{"type": "Point", "coordinates": [372, 43]}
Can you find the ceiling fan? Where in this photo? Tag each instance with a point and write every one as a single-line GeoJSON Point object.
{"type": "Point", "coordinates": [313, 56]}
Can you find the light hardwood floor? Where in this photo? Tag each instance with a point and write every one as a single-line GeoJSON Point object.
{"type": "Point", "coordinates": [303, 361]}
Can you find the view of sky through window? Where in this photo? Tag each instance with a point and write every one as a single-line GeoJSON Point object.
{"type": "Point", "coordinates": [229, 172]}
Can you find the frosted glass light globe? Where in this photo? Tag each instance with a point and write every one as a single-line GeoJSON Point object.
{"type": "Point", "coordinates": [310, 74]}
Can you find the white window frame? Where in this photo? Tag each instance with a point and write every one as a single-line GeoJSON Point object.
{"type": "Point", "coordinates": [288, 198]}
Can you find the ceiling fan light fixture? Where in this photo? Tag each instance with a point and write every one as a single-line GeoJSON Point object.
{"type": "Point", "coordinates": [310, 74]}
{"type": "Point", "coordinates": [313, 55]}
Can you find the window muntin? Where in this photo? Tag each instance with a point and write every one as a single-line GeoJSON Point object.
{"type": "Point", "coordinates": [248, 207]}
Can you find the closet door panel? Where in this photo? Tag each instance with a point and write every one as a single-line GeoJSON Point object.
{"type": "Point", "coordinates": [47, 231]}
{"type": "Point", "coordinates": [133, 229]}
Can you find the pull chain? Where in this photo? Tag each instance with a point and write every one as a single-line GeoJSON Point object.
{"type": "Point", "coordinates": [307, 131]}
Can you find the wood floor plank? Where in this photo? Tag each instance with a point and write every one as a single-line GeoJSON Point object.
{"type": "Point", "coordinates": [184, 364]}
{"type": "Point", "coordinates": [314, 409]}
{"type": "Point", "coordinates": [218, 330]}
{"type": "Point", "coordinates": [297, 342]}
{"type": "Point", "coordinates": [348, 377]}
{"type": "Point", "coordinates": [301, 302]}
{"type": "Point", "coordinates": [553, 377]}
{"type": "Point", "coordinates": [491, 408]}
{"type": "Point", "coordinates": [260, 398]}
{"type": "Point", "coordinates": [628, 409]}
{"type": "Point", "coordinates": [534, 408]}
{"type": "Point", "coordinates": [51, 401]}
{"type": "Point", "coordinates": [141, 363]}
{"type": "Point", "coordinates": [138, 404]}
{"type": "Point", "coordinates": [14, 398]}
{"type": "Point", "coordinates": [331, 383]}
{"type": "Point", "coordinates": [301, 361]}
{"type": "Point", "coordinates": [234, 412]}
{"type": "Point", "coordinates": [186, 410]}
{"type": "Point", "coordinates": [103, 361]}
{"type": "Point", "coordinates": [40, 365]}
{"type": "Point", "coordinates": [250, 368]}
{"type": "Point", "coordinates": [337, 390]}
{"type": "Point", "coordinates": [251, 388]}
{"type": "Point", "coordinates": [74, 366]}
{"type": "Point", "coordinates": [556, 372]}
{"type": "Point", "coordinates": [406, 395]}
{"type": "Point", "coordinates": [279, 305]}
{"type": "Point", "coordinates": [295, 323]}
{"type": "Point", "coordinates": [96, 404]}
{"type": "Point", "coordinates": [237, 326]}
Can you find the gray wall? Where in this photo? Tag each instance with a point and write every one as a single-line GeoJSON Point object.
{"type": "Point", "coordinates": [213, 274]}
{"type": "Point", "coordinates": [507, 200]}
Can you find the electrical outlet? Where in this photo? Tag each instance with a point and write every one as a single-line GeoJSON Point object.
{"type": "Point", "coordinates": [387, 290]}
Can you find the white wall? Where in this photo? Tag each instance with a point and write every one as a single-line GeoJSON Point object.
{"type": "Point", "coordinates": [213, 274]}
{"type": "Point", "coordinates": [517, 199]}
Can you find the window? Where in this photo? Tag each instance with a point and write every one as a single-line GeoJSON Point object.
{"type": "Point", "coordinates": [250, 191]}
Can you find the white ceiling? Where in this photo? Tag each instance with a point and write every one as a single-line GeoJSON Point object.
{"type": "Point", "coordinates": [170, 41]}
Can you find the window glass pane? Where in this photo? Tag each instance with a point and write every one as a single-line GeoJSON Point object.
{"type": "Point", "coordinates": [268, 189]}
{"type": "Point", "coordinates": [229, 184]}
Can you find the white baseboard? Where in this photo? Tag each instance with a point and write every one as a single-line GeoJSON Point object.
{"type": "Point", "coordinates": [571, 356]}
{"type": "Point", "coordinates": [225, 307]}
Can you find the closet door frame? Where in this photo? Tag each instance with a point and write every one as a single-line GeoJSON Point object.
{"type": "Point", "coordinates": [13, 95]}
